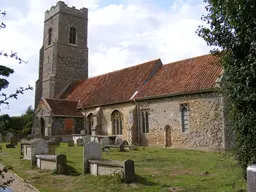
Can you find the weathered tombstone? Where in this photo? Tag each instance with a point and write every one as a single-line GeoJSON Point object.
{"type": "Point", "coordinates": [61, 161]}
{"type": "Point", "coordinates": [8, 136]}
{"type": "Point", "coordinates": [118, 141]}
{"type": "Point", "coordinates": [251, 178]}
{"type": "Point", "coordinates": [80, 142]}
{"type": "Point", "coordinates": [10, 146]}
{"type": "Point", "coordinates": [71, 143]}
{"type": "Point", "coordinates": [129, 171]}
{"type": "Point", "coordinates": [82, 132]}
{"type": "Point", "coordinates": [1, 138]}
{"type": "Point", "coordinates": [105, 141]}
{"type": "Point", "coordinates": [125, 142]}
{"type": "Point", "coordinates": [52, 148]}
{"type": "Point", "coordinates": [46, 138]}
{"type": "Point", "coordinates": [121, 147]}
{"type": "Point", "coordinates": [87, 139]}
{"type": "Point", "coordinates": [92, 150]}
{"type": "Point", "coordinates": [14, 141]}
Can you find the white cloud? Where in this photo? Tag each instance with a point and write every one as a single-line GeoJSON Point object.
{"type": "Point", "coordinates": [120, 35]}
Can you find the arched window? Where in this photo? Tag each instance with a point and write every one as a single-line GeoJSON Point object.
{"type": "Point", "coordinates": [49, 36]}
{"type": "Point", "coordinates": [145, 123]}
{"type": "Point", "coordinates": [72, 35]}
{"type": "Point", "coordinates": [184, 108]}
{"type": "Point", "coordinates": [116, 123]}
{"type": "Point", "coordinates": [90, 123]}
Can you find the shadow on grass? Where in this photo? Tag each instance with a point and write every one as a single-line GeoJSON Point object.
{"type": "Point", "coordinates": [144, 181]}
{"type": "Point", "coordinates": [71, 171]}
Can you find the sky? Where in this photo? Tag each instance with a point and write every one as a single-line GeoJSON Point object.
{"type": "Point", "coordinates": [121, 33]}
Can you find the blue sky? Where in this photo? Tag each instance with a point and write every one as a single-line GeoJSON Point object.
{"type": "Point", "coordinates": [121, 34]}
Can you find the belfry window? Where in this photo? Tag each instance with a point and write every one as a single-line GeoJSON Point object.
{"type": "Point", "coordinates": [49, 36]}
{"type": "Point", "coordinates": [116, 123]}
{"type": "Point", "coordinates": [72, 35]}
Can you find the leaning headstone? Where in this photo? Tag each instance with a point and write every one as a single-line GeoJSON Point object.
{"type": "Point", "coordinates": [1, 138]}
{"type": "Point", "coordinates": [92, 150]}
{"type": "Point", "coordinates": [118, 141]}
{"type": "Point", "coordinates": [251, 178]}
{"type": "Point", "coordinates": [71, 143]}
{"type": "Point", "coordinates": [14, 141]}
{"type": "Point", "coordinates": [80, 142]}
{"type": "Point", "coordinates": [61, 161]}
{"type": "Point", "coordinates": [87, 139]}
{"type": "Point", "coordinates": [8, 136]}
{"type": "Point", "coordinates": [129, 171]}
{"type": "Point", "coordinates": [105, 141]}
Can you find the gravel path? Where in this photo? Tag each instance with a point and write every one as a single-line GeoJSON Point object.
{"type": "Point", "coordinates": [18, 185]}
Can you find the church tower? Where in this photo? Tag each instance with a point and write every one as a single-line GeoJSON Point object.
{"type": "Point", "coordinates": [64, 54]}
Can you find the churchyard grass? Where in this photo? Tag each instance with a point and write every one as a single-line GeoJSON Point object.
{"type": "Point", "coordinates": [157, 169]}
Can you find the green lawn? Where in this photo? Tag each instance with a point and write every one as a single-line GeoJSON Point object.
{"type": "Point", "coordinates": [157, 169]}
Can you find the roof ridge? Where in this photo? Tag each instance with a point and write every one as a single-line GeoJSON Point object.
{"type": "Point", "coordinates": [124, 68]}
{"type": "Point", "coordinates": [60, 99]}
{"type": "Point", "coordinates": [196, 57]}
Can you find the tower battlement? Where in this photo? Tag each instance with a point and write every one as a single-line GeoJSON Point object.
{"type": "Point", "coordinates": [61, 7]}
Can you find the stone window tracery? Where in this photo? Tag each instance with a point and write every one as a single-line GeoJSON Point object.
{"type": "Point", "coordinates": [116, 123]}
{"type": "Point", "coordinates": [184, 109]}
{"type": "Point", "coordinates": [145, 121]}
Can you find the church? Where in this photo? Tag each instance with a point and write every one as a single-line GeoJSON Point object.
{"type": "Point", "coordinates": [150, 104]}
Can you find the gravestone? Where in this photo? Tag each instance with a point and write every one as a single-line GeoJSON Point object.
{"type": "Point", "coordinates": [46, 138]}
{"type": "Point", "coordinates": [87, 139]}
{"type": "Point", "coordinates": [251, 178]}
{"type": "Point", "coordinates": [105, 141]}
{"type": "Point", "coordinates": [61, 161]}
{"type": "Point", "coordinates": [125, 142]}
{"type": "Point", "coordinates": [8, 136]}
{"type": "Point", "coordinates": [118, 141]}
{"type": "Point", "coordinates": [129, 171]}
{"type": "Point", "coordinates": [1, 138]}
{"type": "Point", "coordinates": [92, 150]}
{"type": "Point", "coordinates": [71, 143]}
{"type": "Point", "coordinates": [121, 147]}
{"type": "Point", "coordinates": [14, 141]}
{"type": "Point", "coordinates": [10, 146]}
{"type": "Point", "coordinates": [80, 142]}
{"type": "Point", "coordinates": [82, 132]}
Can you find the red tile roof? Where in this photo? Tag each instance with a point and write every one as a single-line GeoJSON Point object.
{"type": "Point", "coordinates": [117, 86]}
{"type": "Point", "coordinates": [64, 107]}
{"type": "Point", "coordinates": [190, 75]}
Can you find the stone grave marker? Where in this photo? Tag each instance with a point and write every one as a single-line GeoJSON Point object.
{"type": "Point", "coordinates": [118, 141]}
{"type": "Point", "coordinates": [92, 150]}
{"type": "Point", "coordinates": [251, 178]}
{"type": "Point", "coordinates": [87, 139]}
{"type": "Point", "coordinates": [121, 147]}
{"type": "Point", "coordinates": [82, 132]}
{"type": "Point", "coordinates": [8, 136]}
{"type": "Point", "coordinates": [80, 142]}
{"type": "Point", "coordinates": [61, 161]}
{"type": "Point", "coordinates": [10, 146]}
{"type": "Point", "coordinates": [46, 138]}
{"type": "Point", "coordinates": [129, 171]}
{"type": "Point", "coordinates": [71, 143]}
{"type": "Point", "coordinates": [105, 141]}
{"type": "Point", "coordinates": [1, 138]}
{"type": "Point", "coordinates": [14, 141]}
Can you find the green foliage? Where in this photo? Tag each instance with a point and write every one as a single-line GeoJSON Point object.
{"type": "Point", "coordinates": [231, 30]}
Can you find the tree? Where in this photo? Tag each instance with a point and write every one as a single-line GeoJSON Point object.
{"type": "Point", "coordinates": [6, 72]}
{"type": "Point", "coordinates": [231, 30]}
